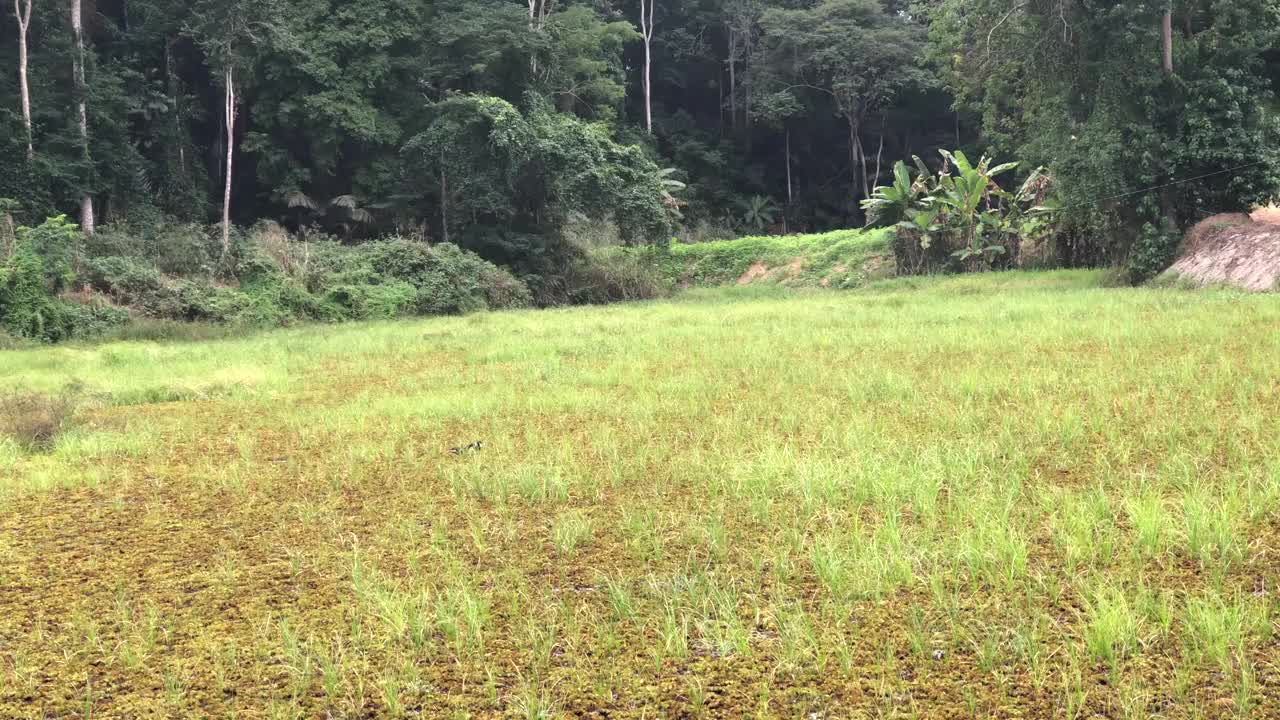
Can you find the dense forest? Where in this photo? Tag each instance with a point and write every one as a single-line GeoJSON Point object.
{"type": "Point", "coordinates": [498, 126]}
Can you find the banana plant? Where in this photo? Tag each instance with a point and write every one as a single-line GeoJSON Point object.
{"type": "Point", "coordinates": [888, 204]}
{"type": "Point", "coordinates": [962, 195]}
{"type": "Point", "coordinates": [962, 212]}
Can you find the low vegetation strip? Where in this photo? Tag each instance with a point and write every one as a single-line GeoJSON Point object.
{"type": "Point", "coordinates": [1013, 495]}
{"type": "Point", "coordinates": [844, 258]}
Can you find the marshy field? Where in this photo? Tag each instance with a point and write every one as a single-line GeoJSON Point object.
{"type": "Point", "coordinates": [1007, 495]}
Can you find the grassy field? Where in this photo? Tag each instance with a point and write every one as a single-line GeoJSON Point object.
{"type": "Point", "coordinates": [1017, 495]}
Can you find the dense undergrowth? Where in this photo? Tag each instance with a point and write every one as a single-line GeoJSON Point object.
{"type": "Point", "coordinates": [172, 281]}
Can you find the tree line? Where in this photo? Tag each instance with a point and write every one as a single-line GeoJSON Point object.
{"type": "Point", "coordinates": [491, 123]}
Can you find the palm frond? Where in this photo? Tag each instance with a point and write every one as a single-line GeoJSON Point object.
{"type": "Point", "coordinates": [297, 198]}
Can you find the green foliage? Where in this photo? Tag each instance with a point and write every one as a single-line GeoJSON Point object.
{"type": "Point", "coordinates": [507, 177]}
{"type": "Point", "coordinates": [962, 218]}
{"type": "Point", "coordinates": [134, 282]}
{"type": "Point", "coordinates": [55, 242]}
{"type": "Point", "coordinates": [1080, 87]}
{"type": "Point", "coordinates": [26, 306]}
{"type": "Point", "coordinates": [759, 212]}
{"type": "Point", "coordinates": [30, 309]}
{"type": "Point", "coordinates": [1153, 251]}
{"type": "Point", "coordinates": [841, 259]}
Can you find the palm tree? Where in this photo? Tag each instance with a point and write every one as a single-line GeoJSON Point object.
{"type": "Point", "coordinates": [341, 212]}
{"type": "Point", "coordinates": [760, 212]}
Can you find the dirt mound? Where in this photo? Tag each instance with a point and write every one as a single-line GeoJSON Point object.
{"type": "Point", "coordinates": [753, 273]}
{"type": "Point", "coordinates": [760, 271]}
{"type": "Point", "coordinates": [1232, 249]}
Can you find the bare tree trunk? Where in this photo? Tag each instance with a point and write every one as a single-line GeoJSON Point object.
{"type": "Point", "coordinates": [788, 151]}
{"type": "Point", "coordinates": [87, 224]}
{"type": "Point", "coordinates": [862, 156]}
{"type": "Point", "coordinates": [879, 154]}
{"type": "Point", "coordinates": [785, 213]}
{"type": "Point", "coordinates": [229, 115]}
{"type": "Point", "coordinates": [733, 80]}
{"type": "Point", "coordinates": [1167, 35]}
{"type": "Point", "coordinates": [24, 24]}
{"type": "Point", "coordinates": [538, 11]}
{"type": "Point", "coordinates": [720, 88]}
{"type": "Point", "coordinates": [853, 155]}
{"type": "Point", "coordinates": [646, 31]}
{"type": "Point", "coordinates": [171, 81]}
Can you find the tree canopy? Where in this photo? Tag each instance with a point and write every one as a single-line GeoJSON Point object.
{"type": "Point", "coordinates": [490, 122]}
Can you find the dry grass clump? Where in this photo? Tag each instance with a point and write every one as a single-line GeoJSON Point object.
{"type": "Point", "coordinates": [35, 421]}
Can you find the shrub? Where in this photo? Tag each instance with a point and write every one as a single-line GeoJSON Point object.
{"type": "Point", "coordinates": [460, 282]}
{"type": "Point", "coordinates": [35, 421]}
{"type": "Point", "coordinates": [204, 302]}
{"type": "Point", "coordinates": [55, 242]}
{"type": "Point", "coordinates": [1153, 251]}
{"type": "Point", "coordinates": [27, 308]}
{"type": "Point", "coordinates": [12, 342]}
{"type": "Point", "coordinates": [115, 240]}
{"type": "Point", "coordinates": [183, 249]}
{"type": "Point", "coordinates": [448, 279]}
{"type": "Point", "coordinates": [369, 302]}
{"type": "Point", "coordinates": [92, 319]}
{"type": "Point", "coordinates": [607, 275]}
{"type": "Point", "coordinates": [135, 283]}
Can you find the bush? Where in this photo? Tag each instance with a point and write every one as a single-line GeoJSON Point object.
{"type": "Point", "coordinates": [1152, 252]}
{"type": "Point", "coordinates": [135, 283]}
{"type": "Point", "coordinates": [27, 308]}
{"type": "Point", "coordinates": [12, 342]}
{"type": "Point", "coordinates": [204, 302]}
{"type": "Point", "coordinates": [448, 279]}
{"type": "Point", "coordinates": [183, 249]}
{"type": "Point", "coordinates": [607, 275]}
{"type": "Point", "coordinates": [371, 302]}
{"type": "Point", "coordinates": [34, 422]}
{"type": "Point", "coordinates": [54, 241]}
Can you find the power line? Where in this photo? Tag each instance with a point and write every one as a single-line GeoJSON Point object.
{"type": "Point", "coordinates": [1099, 201]}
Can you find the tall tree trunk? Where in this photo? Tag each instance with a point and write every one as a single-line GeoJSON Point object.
{"type": "Point", "coordinates": [646, 31]}
{"type": "Point", "coordinates": [787, 212]}
{"type": "Point", "coordinates": [1166, 32]}
{"type": "Point", "coordinates": [733, 80]}
{"type": "Point", "coordinates": [1167, 202]}
{"type": "Point", "coordinates": [788, 151]}
{"type": "Point", "coordinates": [229, 116]}
{"type": "Point", "coordinates": [853, 155]}
{"type": "Point", "coordinates": [23, 14]}
{"type": "Point", "coordinates": [171, 81]}
{"type": "Point", "coordinates": [77, 70]}
{"type": "Point", "coordinates": [862, 156]}
{"type": "Point", "coordinates": [879, 152]}
{"type": "Point", "coordinates": [538, 11]}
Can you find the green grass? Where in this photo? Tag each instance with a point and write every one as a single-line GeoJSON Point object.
{"type": "Point", "coordinates": [1020, 494]}
{"type": "Point", "coordinates": [840, 259]}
